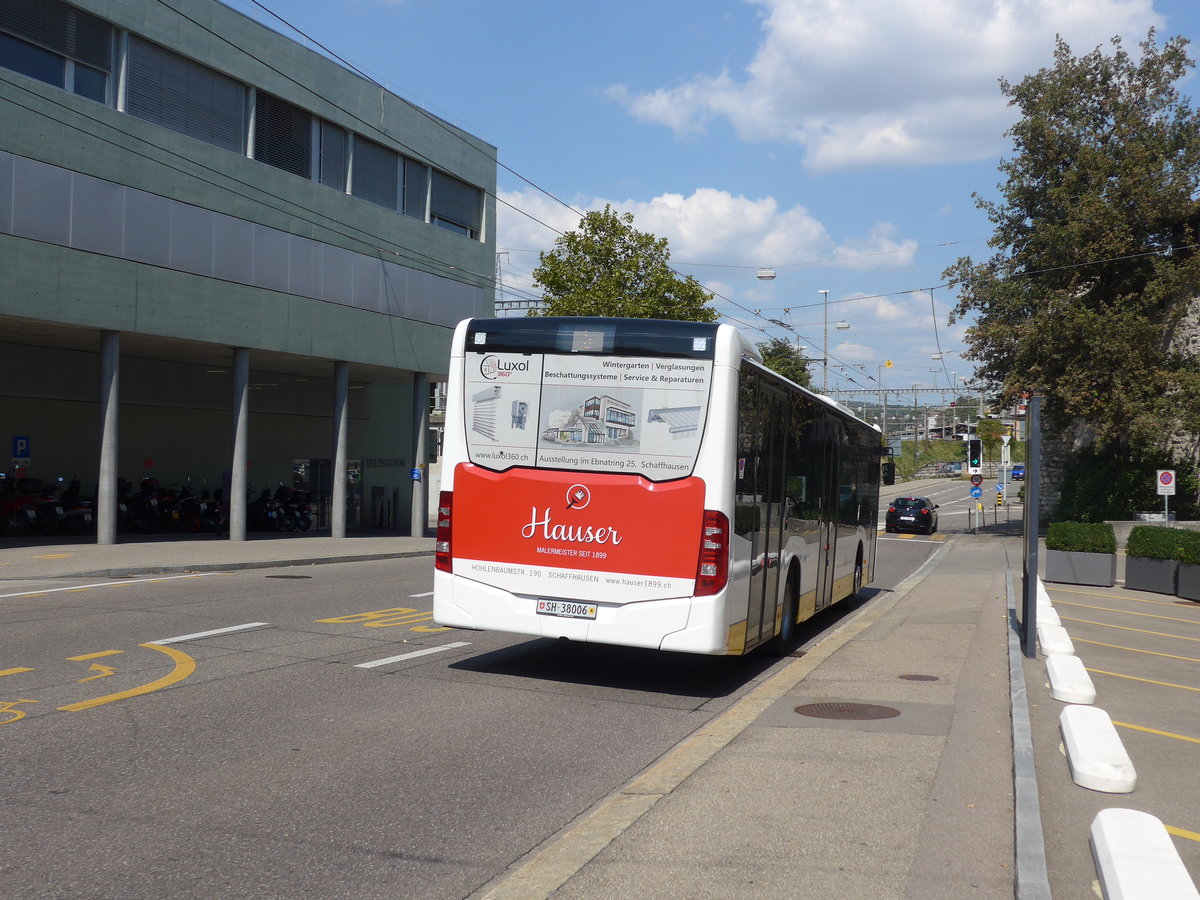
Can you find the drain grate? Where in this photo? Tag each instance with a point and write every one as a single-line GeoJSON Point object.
{"type": "Point", "coordinates": [849, 711]}
{"type": "Point", "coordinates": [920, 677]}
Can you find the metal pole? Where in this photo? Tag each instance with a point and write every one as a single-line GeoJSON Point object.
{"type": "Point", "coordinates": [236, 501]}
{"type": "Point", "coordinates": [341, 427]}
{"type": "Point", "coordinates": [106, 483]}
{"type": "Point", "coordinates": [1033, 487]}
{"type": "Point", "coordinates": [420, 485]}
{"type": "Point", "coordinates": [825, 344]}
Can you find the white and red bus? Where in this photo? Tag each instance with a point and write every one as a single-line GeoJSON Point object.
{"type": "Point", "coordinates": [644, 483]}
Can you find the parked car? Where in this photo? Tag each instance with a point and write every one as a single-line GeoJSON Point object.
{"type": "Point", "coordinates": [911, 514]}
{"type": "Point", "coordinates": [1018, 472]}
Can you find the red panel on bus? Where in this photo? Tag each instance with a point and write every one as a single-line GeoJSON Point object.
{"type": "Point", "coordinates": [578, 520]}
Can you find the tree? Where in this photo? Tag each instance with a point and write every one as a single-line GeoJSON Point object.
{"type": "Point", "coordinates": [1095, 239]}
{"type": "Point", "coordinates": [780, 356]}
{"type": "Point", "coordinates": [990, 431]}
{"type": "Point", "coordinates": [608, 268]}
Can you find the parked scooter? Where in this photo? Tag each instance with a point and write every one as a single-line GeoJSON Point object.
{"type": "Point", "coordinates": [263, 514]}
{"type": "Point", "coordinates": [293, 507]}
{"type": "Point", "coordinates": [79, 514]}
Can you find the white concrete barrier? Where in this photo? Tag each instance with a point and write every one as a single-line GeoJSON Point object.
{"type": "Point", "coordinates": [1135, 858]}
{"type": "Point", "coordinates": [1069, 680]}
{"type": "Point", "coordinates": [1046, 615]}
{"type": "Point", "coordinates": [1095, 753]}
{"type": "Point", "coordinates": [1043, 597]}
{"type": "Point", "coordinates": [1054, 639]}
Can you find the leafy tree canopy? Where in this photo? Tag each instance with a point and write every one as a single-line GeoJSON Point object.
{"type": "Point", "coordinates": [1095, 246]}
{"type": "Point", "coordinates": [608, 268]}
{"type": "Point", "coordinates": [781, 356]}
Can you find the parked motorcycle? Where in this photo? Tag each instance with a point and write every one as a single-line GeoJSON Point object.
{"type": "Point", "coordinates": [28, 505]}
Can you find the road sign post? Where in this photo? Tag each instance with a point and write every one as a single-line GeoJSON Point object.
{"type": "Point", "coordinates": [1164, 480]}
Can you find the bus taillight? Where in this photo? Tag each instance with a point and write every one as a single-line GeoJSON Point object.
{"type": "Point", "coordinates": [442, 560]}
{"type": "Point", "coordinates": [712, 570]}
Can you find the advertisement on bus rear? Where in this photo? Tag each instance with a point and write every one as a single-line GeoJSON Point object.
{"type": "Point", "coordinates": [578, 535]}
{"type": "Point", "coordinates": [635, 415]}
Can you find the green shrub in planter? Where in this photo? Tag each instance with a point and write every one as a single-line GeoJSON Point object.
{"type": "Point", "coordinates": [1187, 552]}
{"type": "Point", "coordinates": [1081, 537]}
{"type": "Point", "coordinates": [1151, 560]}
{"type": "Point", "coordinates": [1081, 553]}
{"type": "Point", "coordinates": [1154, 542]}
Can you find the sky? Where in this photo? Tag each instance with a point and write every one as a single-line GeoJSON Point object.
{"type": "Point", "coordinates": [837, 143]}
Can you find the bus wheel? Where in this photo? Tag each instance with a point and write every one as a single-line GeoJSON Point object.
{"type": "Point", "coordinates": [787, 628]}
{"type": "Point", "coordinates": [858, 577]}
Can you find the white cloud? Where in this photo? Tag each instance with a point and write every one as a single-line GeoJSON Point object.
{"type": "Point", "coordinates": [875, 82]}
{"type": "Point", "coordinates": [710, 226]}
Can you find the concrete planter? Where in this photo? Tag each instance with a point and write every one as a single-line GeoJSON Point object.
{"type": "Point", "coordinates": [1188, 585]}
{"type": "Point", "coordinates": [1155, 575]}
{"type": "Point", "coordinates": [1073, 567]}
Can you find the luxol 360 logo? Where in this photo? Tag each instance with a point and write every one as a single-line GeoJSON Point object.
{"type": "Point", "coordinates": [492, 367]}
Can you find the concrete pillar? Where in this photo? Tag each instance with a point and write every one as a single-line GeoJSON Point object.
{"type": "Point", "coordinates": [106, 482]}
{"type": "Point", "coordinates": [420, 487]}
{"type": "Point", "coordinates": [236, 501]}
{"type": "Point", "coordinates": [341, 426]}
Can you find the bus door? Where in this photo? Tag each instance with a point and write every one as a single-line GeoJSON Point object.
{"type": "Point", "coordinates": [760, 503]}
{"type": "Point", "coordinates": [829, 518]}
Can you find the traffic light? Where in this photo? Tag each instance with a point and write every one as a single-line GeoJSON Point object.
{"type": "Point", "coordinates": [975, 453]}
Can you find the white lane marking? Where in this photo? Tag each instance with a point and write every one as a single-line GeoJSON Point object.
{"type": "Point", "coordinates": [415, 596]}
{"type": "Point", "coordinates": [415, 653]}
{"type": "Point", "coordinates": [215, 631]}
{"type": "Point", "coordinates": [83, 587]}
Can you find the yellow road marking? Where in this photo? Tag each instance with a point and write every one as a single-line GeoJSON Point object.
{"type": "Point", "coordinates": [53, 556]}
{"type": "Point", "coordinates": [1182, 687]}
{"type": "Point", "coordinates": [1058, 590]}
{"type": "Point", "coordinates": [104, 671]}
{"type": "Point", "coordinates": [16, 671]}
{"type": "Point", "coordinates": [88, 656]}
{"type": "Point", "coordinates": [1135, 650]}
{"type": "Point", "coordinates": [1170, 734]}
{"type": "Point", "coordinates": [1128, 612]}
{"type": "Point", "coordinates": [1179, 832]}
{"type": "Point", "coordinates": [1178, 637]}
{"type": "Point", "coordinates": [184, 666]}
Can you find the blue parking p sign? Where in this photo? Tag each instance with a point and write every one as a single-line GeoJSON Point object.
{"type": "Point", "coordinates": [20, 447]}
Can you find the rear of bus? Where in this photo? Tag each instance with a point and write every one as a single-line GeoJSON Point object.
{"type": "Point", "coordinates": [580, 497]}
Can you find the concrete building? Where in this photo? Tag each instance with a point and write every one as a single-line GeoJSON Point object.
{"type": "Point", "coordinates": [225, 256]}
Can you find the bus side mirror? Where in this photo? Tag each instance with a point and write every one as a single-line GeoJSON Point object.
{"type": "Point", "coordinates": [889, 473]}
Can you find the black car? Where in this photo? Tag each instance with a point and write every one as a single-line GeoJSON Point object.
{"type": "Point", "coordinates": [912, 514]}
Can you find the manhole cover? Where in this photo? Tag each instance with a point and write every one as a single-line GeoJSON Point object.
{"type": "Point", "coordinates": [919, 677]}
{"type": "Point", "coordinates": [287, 576]}
{"type": "Point", "coordinates": [856, 711]}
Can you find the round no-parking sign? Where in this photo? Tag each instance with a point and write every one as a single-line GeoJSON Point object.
{"type": "Point", "coordinates": [1166, 482]}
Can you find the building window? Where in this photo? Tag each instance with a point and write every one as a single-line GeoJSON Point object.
{"type": "Point", "coordinates": [283, 135]}
{"type": "Point", "coordinates": [455, 205]}
{"type": "Point", "coordinates": [416, 189]}
{"type": "Point", "coordinates": [333, 156]}
{"type": "Point", "coordinates": [376, 173]}
{"type": "Point", "coordinates": [182, 95]}
{"type": "Point", "coordinates": [57, 44]}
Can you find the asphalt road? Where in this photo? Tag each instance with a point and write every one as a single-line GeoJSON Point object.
{"type": "Point", "coordinates": [310, 733]}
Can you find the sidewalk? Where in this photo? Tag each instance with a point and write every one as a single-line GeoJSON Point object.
{"type": "Point", "coordinates": [877, 765]}
{"type": "Point", "coordinates": [83, 557]}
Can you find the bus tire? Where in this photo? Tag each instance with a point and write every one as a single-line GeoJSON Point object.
{"type": "Point", "coordinates": [786, 639]}
{"type": "Point", "coordinates": [858, 575]}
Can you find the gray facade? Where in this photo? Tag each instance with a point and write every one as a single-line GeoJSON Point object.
{"type": "Point", "coordinates": [316, 222]}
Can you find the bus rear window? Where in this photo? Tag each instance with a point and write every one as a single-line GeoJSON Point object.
{"type": "Point", "coordinates": [640, 415]}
